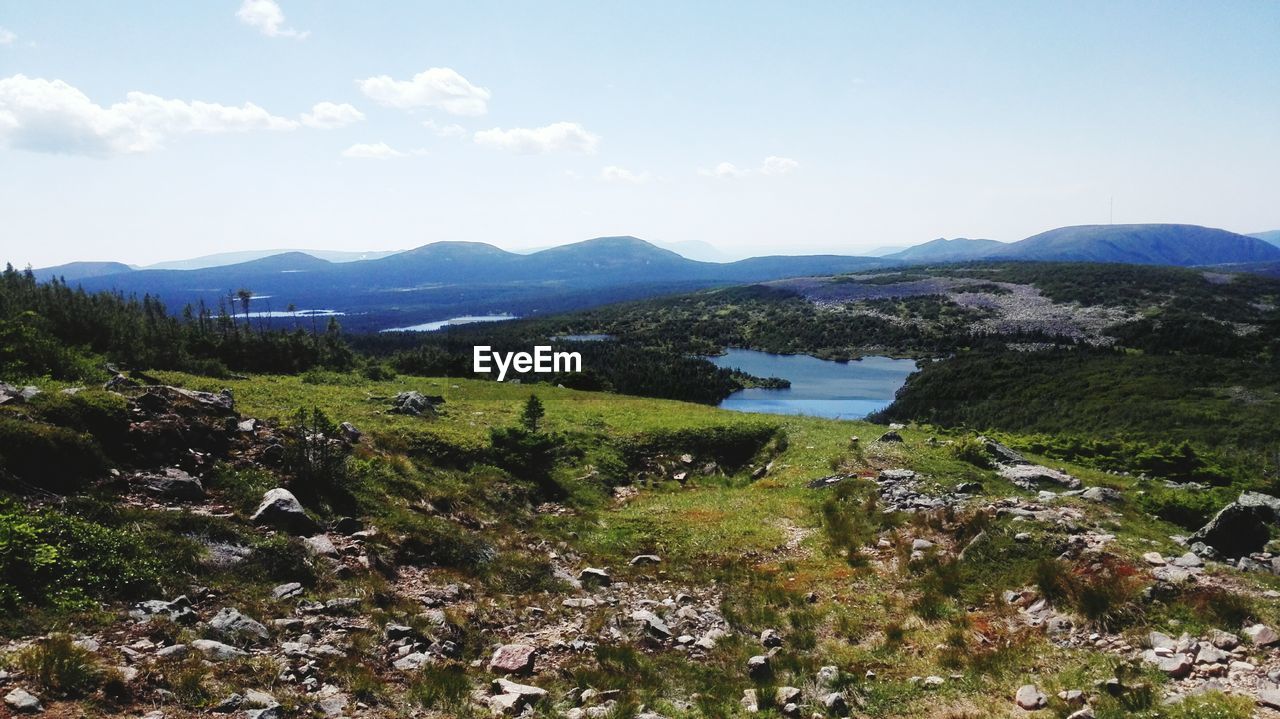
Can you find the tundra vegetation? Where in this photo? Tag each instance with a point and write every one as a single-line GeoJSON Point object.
{"type": "Point", "coordinates": [202, 529]}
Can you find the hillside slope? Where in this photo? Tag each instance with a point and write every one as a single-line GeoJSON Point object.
{"type": "Point", "coordinates": [1148, 244]}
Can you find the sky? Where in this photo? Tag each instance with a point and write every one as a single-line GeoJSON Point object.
{"type": "Point", "coordinates": [148, 131]}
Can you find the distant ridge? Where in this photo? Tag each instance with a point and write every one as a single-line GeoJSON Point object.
{"type": "Point", "coordinates": [73, 271]}
{"type": "Point", "coordinates": [1149, 244]}
{"type": "Point", "coordinates": [221, 259]}
{"type": "Point", "coordinates": [1272, 237]}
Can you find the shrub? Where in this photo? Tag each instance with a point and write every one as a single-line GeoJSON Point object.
{"type": "Point", "coordinates": [971, 450]}
{"type": "Point", "coordinates": [51, 559]}
{"type": "Point", "coordinates": [102, 415]}
{"type": "Point", "coordinates": [52, 458]}
{"type": "Point", "coordinates": [60, 667]}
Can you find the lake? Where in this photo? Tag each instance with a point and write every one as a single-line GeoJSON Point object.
{"type": "Point", "coordinates": [819, 388]}
{"type": "Point", "coordinates": [451, 322]}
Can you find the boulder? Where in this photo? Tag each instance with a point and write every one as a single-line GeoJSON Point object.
{"type": "Point", "coordinates": [22, 701]}
{"type": "Point", "coordinates": [350, 433]}
{"type": "Point", "coordinates": [770, 638]}
{"type": "Point", "coordinates": [415, 404]}
{"type": "Point", "coordinates": [652, 623]}
{"type": "Point", "coordinates": [645, 559]}
{"type": "Point", "coordinates": [834, 704]}
{"type": "Point", "coordinates": [217, 651]}
{"type": "Point", "coordinates": [1031, 476]}
{"type": "Point", "coordinates": [231, 623]}
{"type": "Point", "coordinates": [1101, 494]}
{"type": "Point", "coordinates": [759, 667]}
{"type": "Point", "coordinates": [173, 483]}
{"type": "Point", "coordinates": [594, 576]}
{"type": "Point", "coordinates": [287, 591]}
{"type": "Point", "coordinates": [1030, 697]}
{"type": "Point", "coordinates": [513, 659]}
{"type": "Point", "coordinates": [890, 436]}
{"type": "Point", "coordinates": [1242, 527]}
{"type": "Point", "coordinates": [1001, 453]}
{"type": "Point", "coordinates": [1261, 635]}
{"type": "Point", "coordinates": [281, 510]}
{"type": "Point", "coordinates": [320, 546]}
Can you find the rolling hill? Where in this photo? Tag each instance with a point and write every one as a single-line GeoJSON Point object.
{"type": "Point", "coordinates": [73, 271]}
{"type": "Point", "coordinates": [446, 279]}
{"type": "Point", "coordinates": [1148, 244]}
{"type": "Point", "coordinates": [1272, 237]}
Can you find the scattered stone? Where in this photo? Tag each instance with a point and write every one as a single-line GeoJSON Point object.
{"type": "Point", "coordinates": [652, 623]}
{"type": "Point", "coordinates": [217, 651]}
{"type": "Point", "coordinates": [348, 526]}
{"type": "Point", "coordinates": [513, 659]}
{"type": "Point", "coordinates": [350, 433]}
{"type": "Point", "coordinates": [230, 622]}
{"type": "Point", "coordinates": [287, 591]}
{"type": "Point", "coordinates": [1032, 476]}
{"type": "Point", "coordinates": [173, 483]}
{"type": "Point", "coordinates": [645, 559]}
{"type": "Point", "coordinates": [1154, 559]}
{"type": "Point", "coordinates": [770, 638]}
{"type": "Point", "coordinates": [759, 667]}
{"type": "Point", "coordinates": [933, 682]}
{"type": "Point", "coordinates": [413, 661]}
{"type": "Point", "coordinates": [1101, 494]}
{"type": "Point", "coordinates": [22, 701]}
{"type": "Point", "coordinates": [320, 546]}
{"type": "Point", "coordinates": [1030, 697]}
{"type": "Point", "coordinates": [890, 436]}
{"type": "Point", "coordinates": [281, 510]}
{"type": "Point", "coordinates": [1261, 635]}
{"type": "Point", "coordinates": [594, 576]}
{"type": "Point", "coordinates": [834, 704]}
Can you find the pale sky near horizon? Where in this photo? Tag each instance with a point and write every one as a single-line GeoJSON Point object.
{"type": "Point", "coordinates": [150, 131]}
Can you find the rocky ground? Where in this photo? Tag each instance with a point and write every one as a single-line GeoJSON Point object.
{"type": "Point", "coordinates": [303, 652]}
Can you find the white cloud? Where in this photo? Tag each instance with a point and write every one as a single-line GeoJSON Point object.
{"type": "Point", "coordinates": [723, 170]}
{"type": "Point", "coordinates": [7, 36]}
{"type": "Point", "coordinates": [440, 87]}
{"type": "Point", "coordinates": [372, 151]}
{"type": "Point", "coordinates": [268, 18]}
{"type": "Point", "coordinates": [330, 116]}
{"type": "Point", "coordinates": [613, 173]}
{"type": "Point", "coordinates": [772, 165]}
{"type": "Point", "coordinates": [450, 130]}
{"type": "Point", "coordinates": [557, 137]}
{"type": "Point", "coordinates": [52, 116]}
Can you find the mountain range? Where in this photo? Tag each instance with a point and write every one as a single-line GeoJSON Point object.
{"type": "Point", "coordinates": [446, 279]}
{"type": "Point", "coordinates": [1148, 244]}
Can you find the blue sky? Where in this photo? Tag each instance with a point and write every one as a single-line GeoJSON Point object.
{"type": "Point", "coordinates": [146, 131]}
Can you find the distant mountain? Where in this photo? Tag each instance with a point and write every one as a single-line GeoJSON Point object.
{"type": "Point", "coordinates": [944, 250]}
{"type": "Point", "coordinates": [446, 279]}
{"type": "Point", "coordinates": [1272, 236]}
{"type": "Point", "coordinates": [1151, 244]}
{"type": "Point", "coordinates": [234, 258]}
{"type": "Point", "coordinates": [73, 271]}
{"type": "Point", "coordinates": [884, 250]}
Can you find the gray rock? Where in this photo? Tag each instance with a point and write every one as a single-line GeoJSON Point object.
{"type": "Point", "coordinates": [652, 623]}
{"type": "Point", "coordinates": [231, 623]}
{"type": "Point", "coordinates": [770, 638]}
{"type": "Point", "coordinates": [320, 546]}
{"type": "Point", "coordinates": [173, 651]}
{"type": "Point", "coordinates": [415, 404]}
{"type": "Point", "coordinates": [645, 559]}
{"type": "Point", "coordinates": [890, 436]}
{"type": "Point", "coordinates": [1241, 527]}
{"type": "Point", "coordinates": [834, 704]}
{"type": "Point", "coordinates": [1261, 635]}
{"type": "Point", "coordinates": [1030, 697]}
{"type": "Point", "coordinates": [413, 661]}
{"type": "Point", "coordinates": [1031, 476]}
{"type": "Point", "coordinates": [594, 576]}
{"type": "Point", "coordinates": [1101, 494]}
{"type": "Point", "coordinates": [173, 483]}
{"type": "Point", "coordinates": [287, 591]}
{"type": "Point", "coordinates": [759, 667]}
{"type": "Point", "coordinates": [281, 510]}
{"type": "Point", "coordinates": [350, 433]}
{"type": "Point", "coordinates": [217, 651]}
{"type": "Point", "coordinates": [22, 701]}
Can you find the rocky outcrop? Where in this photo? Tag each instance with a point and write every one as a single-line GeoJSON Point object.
{"type": "Point", "coordinates": [1242, 527]}
{"type": "Point", "coordinates": [281, 510]}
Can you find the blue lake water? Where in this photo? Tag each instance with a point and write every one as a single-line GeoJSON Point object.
{"type": "Point", "coordinates": [819, 388]}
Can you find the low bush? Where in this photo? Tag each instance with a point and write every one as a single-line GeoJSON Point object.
{"type": "Point", "coordinates": [60, 667]}
{"type": "Point", "coordinates": [51, 559]}
{"type": "Point", "coordinates": [47, 457]}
